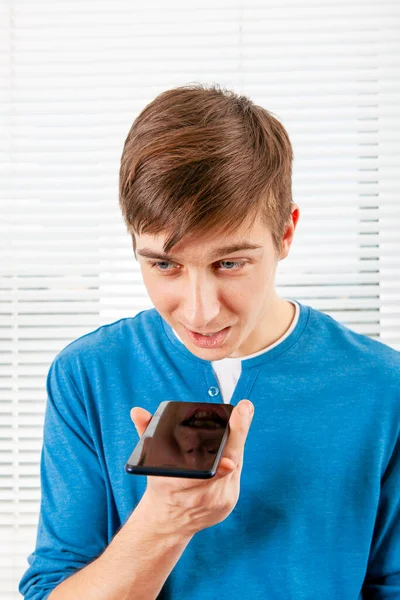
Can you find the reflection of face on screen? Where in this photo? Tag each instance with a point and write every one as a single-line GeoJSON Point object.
{"type": "Point", "coordinates": [186, 436]}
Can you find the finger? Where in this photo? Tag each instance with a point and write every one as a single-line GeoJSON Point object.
{"type": "Point", "coordinates": [239, 425]}
{"type": "Point", "coordinates": [141, 418]}
{"type": "Point", "coordinates": [226, 466]}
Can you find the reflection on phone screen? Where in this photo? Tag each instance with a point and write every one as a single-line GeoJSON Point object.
{"type": "Point", "coordinates": [187, 435]}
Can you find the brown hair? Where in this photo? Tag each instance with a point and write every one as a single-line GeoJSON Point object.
{"type": "Point", "coordinates": [202, 159]}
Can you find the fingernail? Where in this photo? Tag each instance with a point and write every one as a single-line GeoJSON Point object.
{"type": "Point", "coordinates": [245, 409]}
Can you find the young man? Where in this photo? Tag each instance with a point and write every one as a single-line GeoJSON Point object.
{"type": "Point", "coordinates": [311, 507]}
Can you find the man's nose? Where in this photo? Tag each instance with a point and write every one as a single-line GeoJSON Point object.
{"type": "Point", "coordinates": [198, 459]}
{"type": "Point", "coordinates": [200, 304]}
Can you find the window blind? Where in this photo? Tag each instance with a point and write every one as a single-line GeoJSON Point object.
{"type": "Point", "coordinates": [74, 75]}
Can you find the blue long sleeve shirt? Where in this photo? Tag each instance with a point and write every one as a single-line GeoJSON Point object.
{"type": "Point", "coordinates": [318, 515]}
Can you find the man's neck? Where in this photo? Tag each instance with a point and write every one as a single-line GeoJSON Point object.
{"type": "Point", "coordinates": [278, 319]}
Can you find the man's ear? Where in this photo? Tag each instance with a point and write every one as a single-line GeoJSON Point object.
{"type": "Point", "coordinates": [287, 238]}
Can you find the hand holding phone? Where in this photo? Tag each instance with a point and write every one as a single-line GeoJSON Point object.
{"type": "Point", "coordinates": [186, 505]}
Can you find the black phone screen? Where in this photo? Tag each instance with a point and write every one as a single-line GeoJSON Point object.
{"type": "Point", "coordinates": [183, 439]}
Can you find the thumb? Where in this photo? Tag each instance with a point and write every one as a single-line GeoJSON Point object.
{"type": "Point", "coordinates": [239, 424]}
{"type": "Point", "coordinates": [141, 418]}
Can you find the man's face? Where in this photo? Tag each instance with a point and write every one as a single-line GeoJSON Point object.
{"type": "Point", "coordinates": [203, 287]}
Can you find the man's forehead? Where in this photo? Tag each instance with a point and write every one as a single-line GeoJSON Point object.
{"type": "Point", "coordinates": [210, 245]}
{"type": "Point", "coordinates": [155, 251]}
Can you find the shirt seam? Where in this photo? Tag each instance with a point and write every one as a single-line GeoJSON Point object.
{"type": "Point", "coordinates": [88, 333]}
{"type": "Point", "coordinates": [195, 359]}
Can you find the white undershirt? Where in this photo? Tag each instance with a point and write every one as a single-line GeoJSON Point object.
{"type": "Point", "coordinates": [228, 370]}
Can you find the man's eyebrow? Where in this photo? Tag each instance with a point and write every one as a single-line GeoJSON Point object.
{"type": "Point", "coordinates": [149, 253]}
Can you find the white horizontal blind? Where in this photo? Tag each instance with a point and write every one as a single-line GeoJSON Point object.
{"type": "Point", "coordinates": [74, 75]}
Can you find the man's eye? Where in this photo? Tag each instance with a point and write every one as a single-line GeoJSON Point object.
{"type": "Point", "coordinates": [233, 265]}
{"type": "Point", "coordinates": [159, 265]}
{"type": "Point", "coordinates": [230, 265]}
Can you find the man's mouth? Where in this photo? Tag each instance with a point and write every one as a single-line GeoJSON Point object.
{"type": "Point", "coordinates": [205, 415]}
{"type": "Point", "coordinates": [210, 341]}
{"type": "Point", "coordinates": [205, 419]}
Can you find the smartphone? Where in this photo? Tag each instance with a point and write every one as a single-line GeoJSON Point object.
{"type": "Point", "coordinates": [183, 439]}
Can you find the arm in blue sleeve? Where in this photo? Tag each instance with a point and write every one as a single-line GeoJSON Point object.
{"type": "Point", "coordinates": [72, 526]}
{"type": "Point", "coordinates": [382, 581]}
